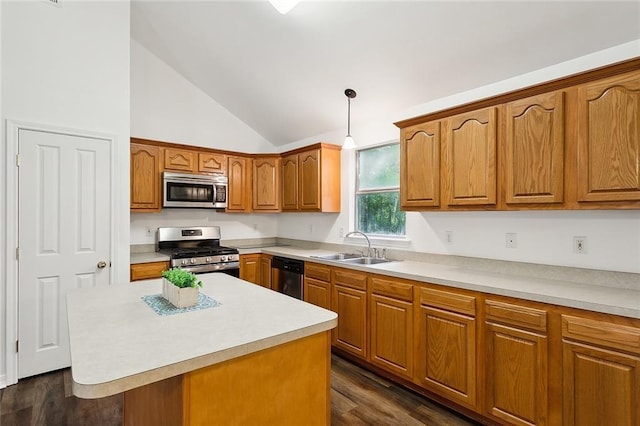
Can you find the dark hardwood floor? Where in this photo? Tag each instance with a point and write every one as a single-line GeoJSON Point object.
{"type": "Point", "coordinates": [358, 397]}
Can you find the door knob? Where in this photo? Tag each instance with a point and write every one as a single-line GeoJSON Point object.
{"type": "Point", "coordinates": [102, 264]}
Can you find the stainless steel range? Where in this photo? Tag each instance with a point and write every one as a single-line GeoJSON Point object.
{"type": "Point", "coordinates": [198, 250]}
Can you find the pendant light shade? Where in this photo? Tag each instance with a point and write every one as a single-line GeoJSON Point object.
{"type": "Point", "coordinates": [284, 6]}
{"type": "Point", "coordinates": [348, 140]}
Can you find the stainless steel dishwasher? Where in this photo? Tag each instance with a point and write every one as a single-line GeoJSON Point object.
{"type": "Point", "coordinates": [287, 276]}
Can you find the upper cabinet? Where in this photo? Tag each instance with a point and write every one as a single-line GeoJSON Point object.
{"type": "Point", "coordinates": [469, 160]}
{"type": "Point", "coordinates": [209, 162]}
{"type": "Point", "coordinates": [420, 166]}
{"type": "Point", "coordinates": [239, 189]}
{"type": "Point", "coordinates": [311, 179]}
{"type": "Point", "coordinates": [608, 114]}
{"type": "Point", "coordinates": [290, 182]}
{"type": "Point", "coordinates": [145, 178]}
{"type": "Point", "coordinates": [533, 149]}
{"type": "Point", "coordinates": [266, 183]}
{"type": "Point", "coordinates": [180, 160]}
{"type": "Point", "coordinates": [571, 143]}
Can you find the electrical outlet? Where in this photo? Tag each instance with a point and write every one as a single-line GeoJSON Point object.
{"type": "Point", "coordinates": [511, 240]}
{"type": "Point", "coordinates": [449, 237]}
{"type": "Point", "coordinates": [311, 229]}
{"type": "Point", "coordinates": [580, 245]}
{"type": "Point", "coordinates": [147, 230]}
{"type": "Point", "coordinates": [341, 232]}
{"type": "Point", "coordinates": [255, 226]}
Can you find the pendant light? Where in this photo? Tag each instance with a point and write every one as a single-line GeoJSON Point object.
{"type": "Point", "coordinates": [284, 6]}
{"type": "Point", "coordinates": [348, 140]}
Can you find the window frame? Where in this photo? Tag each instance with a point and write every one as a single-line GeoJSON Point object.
{"type": "Point", "coordinates": [359, 191]}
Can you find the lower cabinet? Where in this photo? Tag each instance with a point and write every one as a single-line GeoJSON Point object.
{"type": "Point", "coordinates": [516, 360]}
{"type": "Point", "coordinates": [265, 270]}
{"type": "Point", "coordinates": [503, 360]}
{"type": "Point", "coordinates": [250, 268]}
{"type": "Point", "coordinates": [601, 373]}
{"type": "Point", "coordinates": [317, 285]}
{"type": "Point", "coordinates": [349, 301]}
{"type": "Point", "coordinates": [391, 319]}
{"type": "Point", "coordinates": [446, 339]}
{"type": "Point", "coordinates": [147, 271]}
{"type": "Point", "coordinates": [256, 268]}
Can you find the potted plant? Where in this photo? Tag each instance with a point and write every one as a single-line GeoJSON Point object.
{"type": "Point", "coordinates": [180, 287]}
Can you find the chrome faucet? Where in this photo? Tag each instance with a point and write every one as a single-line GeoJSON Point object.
{"type": "Point", "coordinates": [365, 237]}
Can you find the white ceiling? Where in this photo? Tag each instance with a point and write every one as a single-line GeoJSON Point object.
{"type": "Point", "coordinates": [285, 75]}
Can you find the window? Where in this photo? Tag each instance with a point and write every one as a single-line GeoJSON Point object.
{"type": "Point", "coordinates": [378, 191]}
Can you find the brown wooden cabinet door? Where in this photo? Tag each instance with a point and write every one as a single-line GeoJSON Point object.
{"type": "Point", "coordinates": [317, 292]}
{"type": "Point", "coordinates": [265, 270]}
{"type": "Point", "coordinates": [516, 375]}
{"type": "Point", "coordinates": [534, 149]}
{"type": "Point", "coordinates": [290, 183]}
{"type": "Point", "coordinates": [180, 160]}
{"type": "Point", "coordinates": [609, 139]}
{"type": "Point", "coordinates": [145, 271]}
{"type": "Point", "coordinates": [469, 160]}
{"type": "Point", "coordinates": [349, 301]}
{"type": "Point", "coordinates": [446, 355]}
{"type": "Point", "coordinates": [238, 198]}
{"type": "Point", "coordinates": [392, 334]}
{"type": "Point", "coordinates": [145, 178]}
{"type": "Point", "coordinates": [601, 387]}
{"type": "Point", "coordinates": [250, 268]}
{"type": "Point", "coordinates": [420, 166]}
{"type": "Point", "coordinates": [309, 180]}
{"type": "Point", "coordinates": [266, 184]}
{"type": "Point", "coordinates": [212, 163]}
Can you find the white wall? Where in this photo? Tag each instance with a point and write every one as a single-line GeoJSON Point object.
{"type": "Point", "coordinates": [167, 107]}
{"type": "Point", "coordinates": [232, 225]}
{"type": "Point", "coordinates": [613, 237]}
{"type": "Point", "coordinates": [69, 67]}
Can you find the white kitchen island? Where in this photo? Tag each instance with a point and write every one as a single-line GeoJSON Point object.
{"type": "Point", "coordinates": [259, 357]}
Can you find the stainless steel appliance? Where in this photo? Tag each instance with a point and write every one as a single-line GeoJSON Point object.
{"type": "Point", "coordinates": [188, 190]}
{"type": "Point", "coordinates": [197, 249]}
{"type": "Point", "coordinates": [287, 276]}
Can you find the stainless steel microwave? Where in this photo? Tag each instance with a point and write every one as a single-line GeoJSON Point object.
{"type": "Point", "coordinates": [188, 190]}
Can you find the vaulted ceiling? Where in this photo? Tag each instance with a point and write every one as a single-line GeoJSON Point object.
{"type": "Point", "coordinates": [285, 75]}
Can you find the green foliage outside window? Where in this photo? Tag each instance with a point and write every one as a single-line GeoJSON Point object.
{"type": "Point", "coordinates": [378, 191]}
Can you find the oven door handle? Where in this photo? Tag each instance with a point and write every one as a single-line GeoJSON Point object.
{"type": "Point", "coordinates": [211, 267]}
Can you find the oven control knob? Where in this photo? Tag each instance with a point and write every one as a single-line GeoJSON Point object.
{"type": "Point", "coordinates": [185, 261]}
{"type": "Point", "coordinates": [193, 260]}
{"type": "Point", "coordinates": [209, 260]}
{"type": "Point", "coordinates": [223, 258]}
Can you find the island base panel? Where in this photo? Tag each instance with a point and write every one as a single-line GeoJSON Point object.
{"type": "Point", "coordinates": [286, 384]}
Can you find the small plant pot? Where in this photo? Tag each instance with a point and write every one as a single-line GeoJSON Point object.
{"type": "Point", "coordinates": [179, 297]}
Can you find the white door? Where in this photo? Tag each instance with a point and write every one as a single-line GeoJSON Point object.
{"type": "Point", "coordinates": [64, 204]}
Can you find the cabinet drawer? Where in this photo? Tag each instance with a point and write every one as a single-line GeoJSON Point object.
{"type": "Point", "coordinates": [145, 271]}
{"type": "Point", "coordinates": [319, 272]}
{"type": "Point", "coordinates": [601, 333]}
{"type": "Point", "coordinates": [350, 279]}
{"type": "Point", "coordinates": [449, 301]}
{"type": "Point", "coordinates": [520, 316]}
{"type": "Point", "coordinates": [394, 289]}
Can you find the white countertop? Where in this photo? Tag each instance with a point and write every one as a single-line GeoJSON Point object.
{"type": "Point", "coordinates": [119, 343]}
{"type": "Point", "coordinates": [625, 302]}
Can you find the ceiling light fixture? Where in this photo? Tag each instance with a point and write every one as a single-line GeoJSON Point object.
{"type": "Point", "coordinates": [284, 6]}
{"type": "Point", "coordinates": [348, 141]}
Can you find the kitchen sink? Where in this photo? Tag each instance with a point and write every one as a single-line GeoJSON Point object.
{"type": "Point", "coordinates": [367, 261]}
{"type": "Point", "coordinates": [339, 256]}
